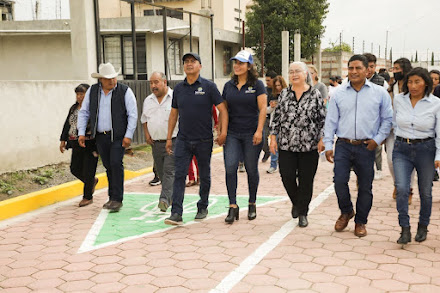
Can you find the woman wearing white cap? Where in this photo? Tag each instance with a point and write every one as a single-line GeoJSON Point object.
{"type": "Point", "coordinates": [246, 100]}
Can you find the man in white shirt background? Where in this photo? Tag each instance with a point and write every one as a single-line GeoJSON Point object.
{"type": "Point", "coordinates": [154, 119]}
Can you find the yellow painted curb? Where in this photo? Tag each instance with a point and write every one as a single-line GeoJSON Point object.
{"type": "Point", "coordinates": [28, 202]}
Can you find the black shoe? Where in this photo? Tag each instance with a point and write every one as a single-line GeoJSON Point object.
{"type": "Point", "coordinates": [201, 214]}
{"type": "Point", "coordinates": [107, 204]}
{"type": "Point", "coordinates": [265, 157]}
{"type": "Point", "coordinates": [422, 232]}
{"type": "Point", "coordinates": [155, 181]}
{"type": "Point", "coordinates": [175, 219]}
{"type": "Point", "coordinates": [115, 206]}
{"type": "Point", "coordinates": [436, 175]}
{"type": "Point", "coordinates": [233, 214]}
{"type": "Point", "coordinates": [294, 212]}
{"type": "Point", "coordinates": [303, 221]}
{"type": "Point", "coordinates": [252, 212]}
{"type": "Point", "coordinates": [405, 235]}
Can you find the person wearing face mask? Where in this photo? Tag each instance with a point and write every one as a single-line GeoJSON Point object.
{"type": "Point", "coordinates": [401, 67]}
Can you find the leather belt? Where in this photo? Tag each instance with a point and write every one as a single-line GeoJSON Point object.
{"type": "Point", "coordinates": [412, 141]}
{"type": "Point", "coordinates": [353, 141]}
{"type": "Point", "coordinates": [162, 140]}
{"type": "Point", "coordinates": [104, 133]}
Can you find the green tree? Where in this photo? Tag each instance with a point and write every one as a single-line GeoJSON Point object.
{"type": "Point", "coordinates": [432, 59]}
{"type": "Point", "coordinates": [284, 15]}
{"type": "Point", "coordinates": [334, 47]}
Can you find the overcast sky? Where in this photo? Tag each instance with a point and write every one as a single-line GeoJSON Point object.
{"type": "Point", "coordinates": [412, 25]}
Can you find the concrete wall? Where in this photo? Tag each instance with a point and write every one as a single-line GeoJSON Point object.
{"type": "Point", "coordinates": [33, 114]}
{"type": "Point", "coordinates": [39, 57]}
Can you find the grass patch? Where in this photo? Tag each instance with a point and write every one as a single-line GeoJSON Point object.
{"type": "Point", "coordinates": [142, 148]}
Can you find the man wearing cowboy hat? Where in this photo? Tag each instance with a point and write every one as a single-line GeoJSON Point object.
{"type": "Point", "coordinates": [112, 111]}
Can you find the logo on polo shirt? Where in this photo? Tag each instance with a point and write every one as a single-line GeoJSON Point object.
{"type": "Point", "coordinates": [199, 91]}
{"type": "Point", "coordinates": [250, 90]}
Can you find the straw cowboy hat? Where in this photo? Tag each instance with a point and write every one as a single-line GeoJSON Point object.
{"type": "Point", "coordinates": [106, 71]}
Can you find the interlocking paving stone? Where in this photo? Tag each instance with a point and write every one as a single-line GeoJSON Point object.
{"type": "Point", "coordinates": [41, 253]}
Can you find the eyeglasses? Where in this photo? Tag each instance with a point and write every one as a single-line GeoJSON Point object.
{"type": "Point", "coordinates": [297, 71]}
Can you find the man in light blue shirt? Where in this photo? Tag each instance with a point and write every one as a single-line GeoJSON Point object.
{"type": "Point", "coordinates": [111, 111]}
{"type": "Point", "coordinates": [360, 114]}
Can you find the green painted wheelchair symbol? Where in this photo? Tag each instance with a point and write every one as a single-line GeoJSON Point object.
{"type": "Point", "coordinates": [141, 217]}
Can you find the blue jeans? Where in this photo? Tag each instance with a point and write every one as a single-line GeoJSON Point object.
{"type": "Point", "coordinates": [274, 159]}
{"type": "Point", "coordinates": [406, 158]}
{"type": "Point", "coordinates": [362, 160]}
{"type": "Point", "coordinates": [241, 144]}
{"type": "Point", "coordinates": [183, 153]}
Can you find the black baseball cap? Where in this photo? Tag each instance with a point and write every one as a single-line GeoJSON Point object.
{"type": "Point", "coordinates": [195, 55]}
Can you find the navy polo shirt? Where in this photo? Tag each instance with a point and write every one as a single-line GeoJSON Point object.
{"type": "Point", "coordinates": [243, 105]}
{"type": "Point", "coordinates": [194, 102]}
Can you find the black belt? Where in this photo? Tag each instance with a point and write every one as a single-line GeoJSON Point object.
{"type": "Point", "coordinates": [353, 141]}
{"type": "Point", "coordinates": [163, 140]}
{"type": "Point", "coordinates": [412, 141]}
{"type": "Point", "coordinates": [104, 133]}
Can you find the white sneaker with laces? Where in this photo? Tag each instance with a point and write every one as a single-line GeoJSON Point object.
{"type": "Point", "coordinates": [271, 170]}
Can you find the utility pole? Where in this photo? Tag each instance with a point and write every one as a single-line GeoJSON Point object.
{"type": "Point", "coordinates": [363, 47]}
{"type": "Point", "coordinates": [352, 48]}
{"type": "Point", "coordinates": [386, 46]}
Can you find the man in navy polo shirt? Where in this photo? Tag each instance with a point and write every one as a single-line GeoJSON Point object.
{"type": "Point", "coordinates": [192, 103]}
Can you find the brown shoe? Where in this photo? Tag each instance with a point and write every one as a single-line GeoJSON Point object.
{"type": "Point", "coordinates": [360, 230]}
{"type": "Point", "coordinates": [191, 183]}
{"type": "Point", "coordinates": [342, 221]}
{"type": "Point", "coordinates": [395, 193]}
{"type": "Point", "coordinates": [107, 204]}
{"type": "Point", "coordinates": [115, 206]}
{"type": "Point", "coordinates": [85, 202]}
{"type": "Point", "coordinates": [163, 206]}
{"type": "Point", "coordinates": [410, 196]}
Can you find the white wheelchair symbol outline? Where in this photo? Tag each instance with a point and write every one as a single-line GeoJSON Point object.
{"type": "Point", "coordinates": [150, 212]}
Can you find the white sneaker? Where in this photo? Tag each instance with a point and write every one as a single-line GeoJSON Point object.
{"type": "Point", "coordinates": [241, 167]}
{"type": "Point", "coordinates": [378, 175]}
{"type": "Point", "coordinates": [271, 170]}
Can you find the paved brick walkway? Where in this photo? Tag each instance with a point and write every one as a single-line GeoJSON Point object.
{"type": "Point", "coordinates": [39, 251]}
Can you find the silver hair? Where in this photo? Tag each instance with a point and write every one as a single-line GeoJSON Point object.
{"type": "Point", "coordinates": [161, 74]}
{"type": "Point", "coordinates": [306, 71]}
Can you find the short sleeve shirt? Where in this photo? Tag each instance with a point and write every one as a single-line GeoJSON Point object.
{"type": "Point", "coordinates": [243, 106]}
{"type": "Point", "coordinates": [194, 103]}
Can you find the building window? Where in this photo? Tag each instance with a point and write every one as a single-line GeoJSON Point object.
{"type": "Point", "coordinates": [175, 56]}
{"type": "Point", "coordinates": [170, 13]}
{"type": "Point", "coordinates": [118, 51]}
{"type": "Point", "coordinates": [6, 10]}
{"type": "Point", "coordinates": [227, 55]}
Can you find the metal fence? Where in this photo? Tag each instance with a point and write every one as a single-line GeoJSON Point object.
{"type": "Point", "coordinates": [141, 90]}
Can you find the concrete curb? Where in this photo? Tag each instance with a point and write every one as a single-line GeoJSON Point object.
{"type": "Point", "coordinates": [28, 202]}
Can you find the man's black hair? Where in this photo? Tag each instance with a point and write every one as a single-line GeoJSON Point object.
{"type": "Point", "coordinates": [361, 58]}
{"type": "Point", "coordinates": [370, 57]}
{"type": "Point", "coordinates": [272, 74]}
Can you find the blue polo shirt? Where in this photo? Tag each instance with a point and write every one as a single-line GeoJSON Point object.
{"type": "Point", "coordinates": [194, 102]}
{"type": "Point", "coordinates": [243, 105]}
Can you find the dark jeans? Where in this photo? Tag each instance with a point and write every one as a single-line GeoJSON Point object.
{"type": "Point", "coordinates": [266, 130]}
{"type": "Point", "coordinates": [240, 145]}
{"type": "Point", "coordinates": [112, 154]}
{"type": "Point", "coordinates": [362, 160]}
{"type": "Point", "coordinates": [406, 158]}
{"type": "Point", "coordinates": [298, 171]}
{"type": "Point", "coordinates": [83, 166]}
{"type": "Point", "coordinates": [183, 153]}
